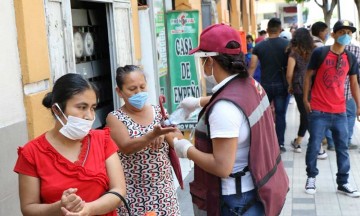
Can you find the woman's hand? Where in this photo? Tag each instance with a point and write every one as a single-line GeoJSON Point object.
{"type": "Point", "coordinates": [290, 90]}
{"type": "Point", "coordinates": [307, 106]}
{"type": "Point", "coordinates": [71, 201]}
{"type": "Point", "coordinates": [159, 131]}
{"type": "Point", "coordinates": [156, 143]}
{"type": "Point", "coordinates": [84, 212]}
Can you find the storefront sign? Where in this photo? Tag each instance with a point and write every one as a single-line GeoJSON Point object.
{"type": "Point", "coordinates": [182, 35]}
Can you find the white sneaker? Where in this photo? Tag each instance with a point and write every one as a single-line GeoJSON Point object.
{"type": "Point", "coordinates": [348, 190]}
{"type": "Point", "coordinates": [310, 187]}
{"type": "Point", "coordinates": [297, 147]}
{"type": "Point", "coordinates": [322, 155]}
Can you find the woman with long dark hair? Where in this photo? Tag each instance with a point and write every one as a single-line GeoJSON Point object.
{"type": "Point", "coordinates": [300, 48]}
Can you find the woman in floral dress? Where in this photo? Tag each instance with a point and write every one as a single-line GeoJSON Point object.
{"type": "Point", "coordinates": [144, 147]}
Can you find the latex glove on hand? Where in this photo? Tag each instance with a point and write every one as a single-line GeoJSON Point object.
{"type": "Point", "coordinates": [190, 103]}
{"type": "Point", "coordinates": [181, 147]}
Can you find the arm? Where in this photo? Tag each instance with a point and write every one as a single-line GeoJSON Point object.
{"type": "Point", "coordinates": [221, 162]}
{"type": "Point", "coordinates": [29, 191]}
{"type": "Point", "coordinates": [225, 130]}
{"type": "Point", "coordinates": [204, 100]}
{"type": "Point", "coordinates": [170, 137]}
{"type": "Point", "coordinates": [109, 202]}
{"type": "Point", "coordinates": [306, 89]}
{"type": "Point", "coordinates": [192, 103]}
{"type": "Point", "coordinates": [253, 64]}
{"type": "Point", "coordinates": [127, 145]}
{"type": "Point", "coordinates": [354, 85]}
{"type": "Point", "coordinates": [290, 73]}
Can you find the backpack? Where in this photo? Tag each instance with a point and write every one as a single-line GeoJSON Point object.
{"type": "Point", "coordinates": [324, 52]}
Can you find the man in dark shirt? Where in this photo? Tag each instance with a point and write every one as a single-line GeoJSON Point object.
{"type": "Point", "coordinates": [273, 58]}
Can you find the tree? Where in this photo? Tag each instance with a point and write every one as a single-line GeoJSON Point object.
{"type": "Point", "coordinates": [357, 3]}
{"type": "Point", "coordinates": [326, 7]}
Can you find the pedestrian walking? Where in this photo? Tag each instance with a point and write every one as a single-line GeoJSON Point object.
{"type": "Point", "coordinates": [273, 74]}
{"type": "Point", "coordinates": [327, 106]}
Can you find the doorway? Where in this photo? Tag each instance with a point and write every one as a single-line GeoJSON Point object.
{"type": "Point", "coordinates": [92, 55]}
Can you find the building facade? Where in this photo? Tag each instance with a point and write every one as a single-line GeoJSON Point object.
{"type": "Point", "coordinates": [42, 40]}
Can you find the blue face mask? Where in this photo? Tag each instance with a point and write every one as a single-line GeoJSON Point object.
{"type": "Point", "coordinates": [327, 36]}
{"type": "Point", "coordinates": [344, 39]}
{"type": "Point", "coordinates": [138, 100]}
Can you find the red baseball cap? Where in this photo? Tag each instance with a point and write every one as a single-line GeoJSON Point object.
{"type": "Point", "coordinates": [215, 38]}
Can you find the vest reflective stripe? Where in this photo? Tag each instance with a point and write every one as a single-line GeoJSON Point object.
{"type": "Point", "coordinates": [259, 111]}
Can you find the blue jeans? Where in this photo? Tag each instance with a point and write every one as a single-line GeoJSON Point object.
{"type": "Point", "coordinates": [319, 122]}
{"type": "Point", "coordinates": [277, 92]}
{"type": "Point", "coordinates": [351, 117]}
{"type": "Point", "coordinates": [235, 203]}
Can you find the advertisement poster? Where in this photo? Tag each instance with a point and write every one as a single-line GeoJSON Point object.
{"type": "Point", "coordinates": [182, 35]}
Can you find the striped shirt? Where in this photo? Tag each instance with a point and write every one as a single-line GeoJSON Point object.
{"type": "Point", "coordinates": [354, 49]}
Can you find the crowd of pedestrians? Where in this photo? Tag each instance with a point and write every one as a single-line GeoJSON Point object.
{"type": "Point", "coordinates": [324, 82]}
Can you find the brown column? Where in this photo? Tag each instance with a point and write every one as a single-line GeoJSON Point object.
{"type": "Point", "coordinates": [136, 30]}
{"type": "Point", "coordinates": [253, 27]}
{"type": "Point", "coordinates": [223, 12]}
{"type": "Point", "coordinates": [245, 15]}
{"type": "Point", "coordinates": [235, 14]}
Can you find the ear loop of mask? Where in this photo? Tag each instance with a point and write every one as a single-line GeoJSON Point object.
{"type": "Point", "coordinates": [57, 117]}
{"type": "Point", "coordinates": [212, 67]}
{"type": "Point", "coordinates": [203, 65]}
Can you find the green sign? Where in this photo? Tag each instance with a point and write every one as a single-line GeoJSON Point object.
{"type": "Point", "coordinates": [182, 35]}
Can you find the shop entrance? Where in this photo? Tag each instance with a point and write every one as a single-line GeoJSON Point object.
{"type": "Point", "coordinates": [91, 50]}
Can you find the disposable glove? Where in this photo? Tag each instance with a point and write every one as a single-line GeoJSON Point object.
{"type": "Point", "coordinates": [181, 147]}
{"type": "Point", "coordinates": [190, 103]}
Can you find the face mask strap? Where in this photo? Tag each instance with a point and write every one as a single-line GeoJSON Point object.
{"type": "Point", "coordinates": [57, 117]}
{"type": "Point", "coordinates": [203, 65]}
{"type": "Point", "coordinates": [212, 70]}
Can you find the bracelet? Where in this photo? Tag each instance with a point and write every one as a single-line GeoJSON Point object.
{"type": "Point", "coordinates": [121, 198]}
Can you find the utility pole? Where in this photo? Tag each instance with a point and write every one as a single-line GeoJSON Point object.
{"type": "Point", "coordinates": [339, 11]}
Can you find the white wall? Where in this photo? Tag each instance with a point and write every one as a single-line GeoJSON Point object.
{"type": "Point", "coordinates": [11, 96]}
{"type": "Point", "coordinates": [13, 132]}
{"type": "Point", "coordinates": [147, 55]}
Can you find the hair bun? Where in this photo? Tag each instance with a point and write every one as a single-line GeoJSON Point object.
{"type": "Point", "coordinates": [47, 100]}
{"type": "Point", "coordinates": [237, 64]}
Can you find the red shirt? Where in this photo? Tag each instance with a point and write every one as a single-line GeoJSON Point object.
{"type": "Point", "coordinates": [38, 158]}
{"type": "Point", "coordinates": [327, 93]}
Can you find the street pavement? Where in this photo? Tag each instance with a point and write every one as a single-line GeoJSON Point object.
{"type": "Point", "coordinates": [326, 201]}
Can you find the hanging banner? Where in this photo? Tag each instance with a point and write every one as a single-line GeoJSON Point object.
{"type": "Point", "coordinates": [182, 35]}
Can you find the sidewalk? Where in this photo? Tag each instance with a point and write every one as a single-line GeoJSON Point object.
{"type": "Point", "coordinates": [326, 202]}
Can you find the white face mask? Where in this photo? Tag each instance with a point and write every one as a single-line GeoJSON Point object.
{"type": "Point", "coordinates": [75, 128]}
{"type": "Point", "coordinates": [211, 78]}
